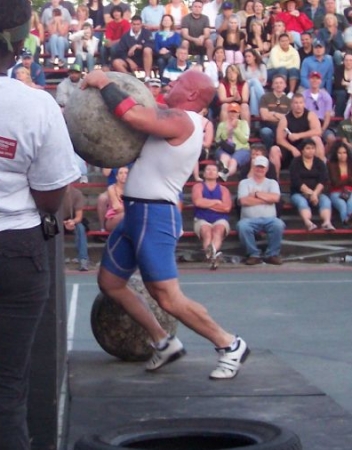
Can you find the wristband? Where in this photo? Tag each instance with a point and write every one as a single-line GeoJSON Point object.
{"type": "Point", "coordinates": [118, 102]}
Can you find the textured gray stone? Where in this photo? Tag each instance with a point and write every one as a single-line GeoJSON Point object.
{"type": "Point", "coordinates": [121, 336]}
{"type": "Point", "coordinates": [100, 138]}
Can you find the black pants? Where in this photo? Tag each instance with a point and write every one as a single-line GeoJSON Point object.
{"type": "Point", "coordinates": [24, 288]}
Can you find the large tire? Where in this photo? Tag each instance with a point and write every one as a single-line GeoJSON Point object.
{"type": "Point", "coordinates": [121, 336]}
{"type": "Point", "coordinates": [195, 434]}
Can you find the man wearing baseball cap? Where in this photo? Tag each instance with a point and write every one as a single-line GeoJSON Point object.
{"type": "Point", "coordinates": [68, 85]}
{"type": "Point", "coordinates": [318, 62]}
{"type": "Point", "coordinates": [35, 69]}
{"type": "Point", "coordinates": [222, 19]}
{"type": "Point", "coordinates": [36, 164]}
{"type": "Point", "coordinates": [257, 196]}
{"type": "Point", "coordinates": [320, 101]}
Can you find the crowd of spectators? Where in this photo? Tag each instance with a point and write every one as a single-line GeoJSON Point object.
{"type": "Point", "coordinates": [287, 66]}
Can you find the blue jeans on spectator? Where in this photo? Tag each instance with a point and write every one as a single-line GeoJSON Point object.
{"type": "Point", "coordinates": [81, 241]}
{"type": "Point", "coordinates": [340, 97]}
{"type": "Point", "coordinates": [268, 136]}
{"type": "Point", "coordinates": [89, 62]}
{"type": "Point", "coordinates": [343, 207]}
{"type": "Point", "coordinates": [58, 46]}
{"type": "Point", "coordinates": [272, 226]}
{"type": "Point", "coordinates": [300, 202]}
{"type": "Point", "coordinates": [256, 91]}
{"type": "Point", "coordinates": [288, 73]}
{"type": "Point", "coordinates": [24, 289]}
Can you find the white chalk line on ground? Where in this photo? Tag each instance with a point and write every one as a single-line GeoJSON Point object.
{"type": "Point", "coordinates": [72, 316]}
{"type": "Point", "coordinates": [251, 282]}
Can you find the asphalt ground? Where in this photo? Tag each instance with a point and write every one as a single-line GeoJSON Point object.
{"type": "Point", "coordinates": [296, 319]}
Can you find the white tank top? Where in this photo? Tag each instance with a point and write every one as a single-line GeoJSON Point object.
{"type": "Point", "coordinates": [161, 170]}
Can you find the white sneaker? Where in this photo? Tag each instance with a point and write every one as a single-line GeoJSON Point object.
{"type": "Point", "coordinates": [229, 362]}
{"type": "Point", "coordinates": [290, 95]}
{"type": "Point", "coordinates": [210, 252]}
{"type": "Point", "coordinates": [173, 350]}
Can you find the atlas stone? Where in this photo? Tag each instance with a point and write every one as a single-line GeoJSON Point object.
{"type": "Point", "coordinates": [121, 336]}
{"type": "Point", "coordinates": [99, 137]}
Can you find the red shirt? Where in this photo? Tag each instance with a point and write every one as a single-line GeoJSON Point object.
{"type": "Point", "coordinates": [115, 30]}
{"type": "Point", "coordinates": [293, 23]}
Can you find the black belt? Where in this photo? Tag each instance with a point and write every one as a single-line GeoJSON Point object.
{"type": "Point", "coordinates": [147, 200]}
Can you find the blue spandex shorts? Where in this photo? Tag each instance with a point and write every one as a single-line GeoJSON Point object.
{"type": "Point", "coordinates": [146, 239]}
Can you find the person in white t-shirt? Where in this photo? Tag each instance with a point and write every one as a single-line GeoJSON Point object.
{"type": "Point", "coordinates": [36, 164]}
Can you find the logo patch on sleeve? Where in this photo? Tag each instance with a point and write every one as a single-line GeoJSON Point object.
{"type": "Point", "coordinates": [7, 148]}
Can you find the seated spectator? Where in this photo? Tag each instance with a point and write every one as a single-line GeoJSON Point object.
{"type": "Point", "coordinates": [222, 19]}
{"type": "Point", "coordinates": [47, 12]}
{"type": "Point", "coordinates": [211, 9]}
{"type": "Point", "coordinates": [195, 32]}
{"type": "Point", "coordinates": [115, 29]}
{"type": "Point", "coordinates": [313, 9]}
{"type": "Point", "coordinates": [96, 14]}
{"type": "Point", "coordinates": [36, 71]}
{"type": "Point", "coordinates": [273, 106]}
{"type": "Point", "coordinates": [234, 89]}
{"type": "Point", "coordinates": [319, 101]}
{"type": "Point", "coordinates": [246, 12]}
{"type": "Point", "coordinates": [257, 38]}
{"type": "Point", "coordinates": [278, 29]}
{"type": "Point", "coordinates": [254, 72]}
{"type": "Point", "coordinates": [307, 46]}
{"type": "Point", "coordinates": [177, 9]}
{"type": "Point", "coordinates": [208, 138]}
{"type": "Point", "coordinates": [295, 21]}
{"type": "Point", "coordinates": [72, 211]}
{"type": "Point", "coordinates": [292, 131]}
{"type": "Point", "coordinates": [116, 211]}
{"type": "Point", "coordinates": [36, 30]}
{"type": "Point", "coordinates": [58, 43]}
{"type": "Point", "coordinates": [216, 68]}
{"type": "Point", "coordinates": [81, 18]}
{"type": "Point", "coordinates": [274, 10]}
{"type": "Point", "coordinates": [103, 198]}
{"type": "Point", "coordinates": [212, 205]}
{"type": "Point", "coordinates": [284, 60]}
{"type": "Point", "coordinates": [330, 8]}
{"type": "Point", "coordinates": [232, 141]}
{"type": "Point", "coordinates": [154, 85]}
{"type": "Point", "coordinates": [126, 10]}
{"type": "Point", "coordinates": [176, 67]}
{"type": "Point", "coordinates": [257, 196]}
{"type": "Point", "coordinates": [85, 46]}
{"type": "Point", "coordinates": [65, 4]}
{"type": "Point", "coordinates": [319, 62]}
{"type": "Point", "coordinates": [246, 171]}
{"type": "Point", "coordinates": [260, 16]}
{"type": "Point", "coordinates": [342, 80]}
{"type": "Point", "coordinates": [340, 186]}
{"type": "Point", "coordinates": [23, 74]}
{"type": "Point", "coordinates": [232, 40]}
{"type": "Point", "coordinates": [152, 15]}
{"type": "Point", "coordinates": [332, 38]}
{"type": "Point", "coordinates": [344, 131]}
{"type": "Point", "coordinates": [166, 42]}
{"type": "Point", "coordinates": [135, 50]}
{"type": "Point", "coordinates": [308, 180]}
{"type": "Point", "coordinates": [347, 34]}
{"type": "Point", "coordinates": [67, 86]}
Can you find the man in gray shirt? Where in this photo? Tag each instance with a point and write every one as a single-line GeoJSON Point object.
{"type": "Point", "coordinates": [257, 196]}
